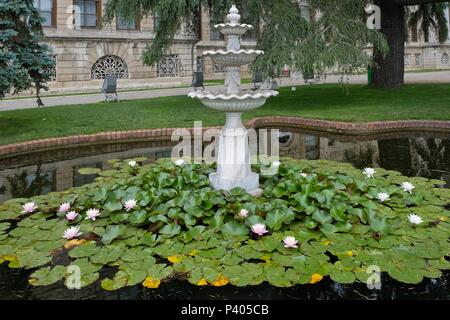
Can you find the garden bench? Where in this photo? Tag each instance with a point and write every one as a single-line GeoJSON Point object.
{"type": "Point", "coordinates": [109, 87]}
{"type": "Point", "coordinates": [257, 77]}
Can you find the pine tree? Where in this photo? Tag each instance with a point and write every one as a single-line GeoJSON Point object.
{"type": "Point", "coordinates": [24, 61]}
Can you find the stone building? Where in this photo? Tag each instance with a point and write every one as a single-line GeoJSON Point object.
{"type": "Point", "coordinates": [85, 49]}
{"type": "Point", "coordinates": [423, 52]}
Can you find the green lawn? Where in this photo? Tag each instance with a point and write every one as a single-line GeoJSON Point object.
{"type": "Point", "coordinates": [331, 102]}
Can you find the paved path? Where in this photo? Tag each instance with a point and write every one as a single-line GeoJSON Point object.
{"type": "Point", "coordinates": [49, 101]}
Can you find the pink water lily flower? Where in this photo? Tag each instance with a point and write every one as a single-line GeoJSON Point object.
{"type": "Point", "coordinates": [290, 242]}
{"type": "Point", "coordinates": [64, 207]}
{"type": "Point", "coordinates": [72, 232]}
{"type": "Point", "coordinates": [130, 204]}
{"type": "Point", "coordinates": [29, 207]}
{"type": "Point", "coordinates": [259, 229]}
{"type": "Point", "coordinates": [71, 215]}
{"type": "Point", "coordinates": [92, 214]}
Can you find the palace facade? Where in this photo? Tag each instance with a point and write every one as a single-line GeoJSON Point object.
{"type": "Point", "coordinates": [85, 49]}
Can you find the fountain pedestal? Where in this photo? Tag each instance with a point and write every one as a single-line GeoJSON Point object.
{"type": "Point", "coordinates": [233, 157]}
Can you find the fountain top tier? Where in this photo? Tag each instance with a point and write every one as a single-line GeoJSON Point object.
{"type": "Point", "coordinates": [233, 99]}
{"type": "Point", "coordinates": [233, 26]}
{"type": "Point", "coordinates": [233, 56]}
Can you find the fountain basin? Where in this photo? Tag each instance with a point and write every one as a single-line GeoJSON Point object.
{"type": "Point", "coordinates": [233, 58]}
{"type": "Point", "coordinates": [234, 103]}
{"type": "Point", "coordinates": [233, 28]}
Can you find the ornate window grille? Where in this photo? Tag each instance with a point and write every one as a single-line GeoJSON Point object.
{"type": "Point", "coordinates": [109, 65]}
{"type": "Point", "coordinates": [445, 58]}
{"type": "Point", "coordinates": [168, 67]}
{"type": "Point", "coordinates": [218, 68]}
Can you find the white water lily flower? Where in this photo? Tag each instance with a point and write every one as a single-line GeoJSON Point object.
{"type": "Point", "coordinates": [304, 175]}
{"type": "Point", "coordinates": [29, 207]}
{"type": "Point", "coordinates": [179, 162]}
{"type": "Point", "coordinates": [132, 163]}
{"type": "Point", "coordinates": [72, 232]}
{"type": "Point", "coordinates": [383, 196]}
{"type": "Point", "coordinates": [259, 229]}
{"type": "Point", "coordinates": [243, 213]}
{"type": "Point", "coordinates": [130, 204]}
{"type": "Point", "coordinates": [71, 215]}
{"type": "Point", "coordinates": [415, 219]}
{"type": "Point", "coordinates": [290, 242]}
{"type": "Point", "coordinates": [407, 187]}
{"type": "Point", "coordinates": [369, 172]}
{"type": "Point", "coordinates": [92, 214]}
{"type": "Point", "coordinates": [256, 193]}
{"type": "Point", "coordinates": [64, 207]}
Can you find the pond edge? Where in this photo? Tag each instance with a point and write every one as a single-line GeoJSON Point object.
{"type": "Point", "coordinates": [335, 127]}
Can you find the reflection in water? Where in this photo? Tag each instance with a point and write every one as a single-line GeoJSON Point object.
{"type": "Point", "coordinates": [24, 184]}
{"type": "Point", "coordinates": [48, 171]}
{"type": "Point", "coordinates": [415, 155]}
{"type": "Point", "coordinates": [14, 284]}
{"type": "Point", "coordinates": [430, 156]}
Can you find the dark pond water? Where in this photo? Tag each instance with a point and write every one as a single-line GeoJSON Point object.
{"type": "Point", "coordinates": [412, 153]}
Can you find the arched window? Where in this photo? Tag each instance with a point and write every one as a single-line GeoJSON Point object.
{"type": "Point", "coordinates": [109, 65]}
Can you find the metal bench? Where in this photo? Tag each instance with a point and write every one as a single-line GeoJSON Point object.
{"type": "Point", "coordinates": [257, 77]}
{"type": "Point", "coordinates": [109, 88]}
{"type": "Point", "coordinates": [198, 80]}
{"type": "Point", "coordinates": [308, 75]}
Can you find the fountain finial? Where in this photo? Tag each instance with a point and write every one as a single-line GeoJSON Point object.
{"type": "Point", "coordinates": [234, 17]}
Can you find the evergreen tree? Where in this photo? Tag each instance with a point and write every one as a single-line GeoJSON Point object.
{"type": "Point", "coordinates": [24, 61]}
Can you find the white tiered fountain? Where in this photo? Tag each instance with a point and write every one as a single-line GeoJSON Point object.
{"type": "Point", "coordinates": [233, 153]}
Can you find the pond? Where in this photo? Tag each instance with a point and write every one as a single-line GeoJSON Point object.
{"type": "Point", "coordinates": [412, 153]}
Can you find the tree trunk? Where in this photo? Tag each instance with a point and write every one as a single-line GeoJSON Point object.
{"type": "Point", "coordinates": [389, 71]}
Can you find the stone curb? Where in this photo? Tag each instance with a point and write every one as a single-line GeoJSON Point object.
{"type": "Point", "coordinates": [279, 121]}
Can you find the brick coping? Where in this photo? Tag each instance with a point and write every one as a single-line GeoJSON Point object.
{"type": "Point", "coordinates": [344, 128]}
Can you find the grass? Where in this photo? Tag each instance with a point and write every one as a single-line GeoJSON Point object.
{"type": "Point", "coordinates": [330, 102]}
